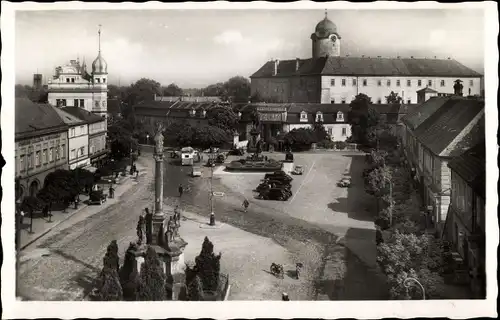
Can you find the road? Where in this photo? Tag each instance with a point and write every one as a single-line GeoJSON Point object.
{"type": "Point", "coordinates": [64, 264]}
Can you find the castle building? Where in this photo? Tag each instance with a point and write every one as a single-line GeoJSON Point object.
{"type": "Point", "coordinates": [330, 77]}
{"type": "Point", "coordinates": [73, 86]}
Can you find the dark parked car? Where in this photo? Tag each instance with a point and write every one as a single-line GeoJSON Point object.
{"type": "Point", "coordinates": [276, 194]}
{"type": "Point", "coordinates": [286, 178]}
{"type": "Point", "coordinates": [97, 197]}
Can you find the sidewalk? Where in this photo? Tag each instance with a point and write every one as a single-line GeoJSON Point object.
{"type": "Point", "coordinates": [42, 226]}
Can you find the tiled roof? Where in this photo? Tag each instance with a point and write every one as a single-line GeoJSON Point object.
{"type": "Point", "coordinates": [83, 114]}
{"type": "Point", "coordinates": [114, 106]}
{"type": "Point", "coordinates": [367, 66]}
{"type": "Point", "coordinates": [33, 119]}
{"type": "Point", "coordinates": [393, 108]}
{"type": "Point", "coordinates": [474, 136]}
{"type": "Point", "coordinates": [423, 112]}
{"type": "Point", "coordinates": [68, 118]}
{"type": "Point", "coordinates": [427, 89]}
{"type": "Point", "coordinates": [445, 124]}
{"type": "Point", "coordinates": [471, 166]}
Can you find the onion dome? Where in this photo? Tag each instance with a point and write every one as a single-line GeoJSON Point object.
{"type": "Point", "coordinates": [99, 65]}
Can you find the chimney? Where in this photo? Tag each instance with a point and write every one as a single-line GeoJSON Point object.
{"type": "Point", "coordinates": [297, 64]}
{"type": "Point", "coordinates": [275, 69]}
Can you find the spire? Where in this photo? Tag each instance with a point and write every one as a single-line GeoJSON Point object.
{"type": "Point", "coordinates": [99, 39]}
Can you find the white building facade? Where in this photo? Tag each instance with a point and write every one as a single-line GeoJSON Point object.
{"type": "Point", "coordinates": [73, 86]}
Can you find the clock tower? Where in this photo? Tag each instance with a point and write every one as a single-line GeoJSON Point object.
{"type": "Point", "coordinates": [325, 39]}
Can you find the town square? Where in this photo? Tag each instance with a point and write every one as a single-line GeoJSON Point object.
{"type": "Point", "coordinates": [323, 166]}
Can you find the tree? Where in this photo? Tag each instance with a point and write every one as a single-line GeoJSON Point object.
{"type": "Point", "coordinates": [300, 138]}
{"type": "Point", "coordinates": [122, 140]}
{"type": "Point", "coordinates": [31, 204]}
{"type": "Point", "coordinates": [60, 187]}
{"type": "Point", "coordinates": [319, 131]}
{"type": "Point", "coordinates": [358, 116]}
{"type": "Point", "coordinates": [215, 90]}
{"type": "Point", "coordinates": [207, 136]}
{"type": "Point", "coordinates": [195, 289]}
{"type": "Point", "coordinates": [208, 266]}
{"type": "Point", "coordinates": [238, 89]}
{"type": "Point", "coordinates": [172, 90]}
{"type": "Point", "coordinates": [129, 277]}
{"type": "Point", "coordinates": [393, 98]}
{"type": "Point", "coordinates": [142, 90]}
{"type": "Point", "coordinates": [377, 182]}
{"type": "Point", "coordinates": [111, 258]}
{"type": "Point", "coordinates": [152, 278]}
{"type": "Point", "coordinates": [109, 287]}
{"type": "Point", "coordinates": [223, 118]}
{"type": "Point", "coordinates": [83, 178]}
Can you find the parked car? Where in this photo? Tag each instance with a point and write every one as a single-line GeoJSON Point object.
{"type": "Point", "coordinates": [210, 163]}
{"type": "Point", "coordinates": [196, 171]}
{"type": "Point", "coordinates": [298, 170]}
{"type": "Point", "coordinates": [276, 194]}
{"type": "Point", "coordinates": [97, 197]}
{"type": "Point", "coordinates": [344, 183]}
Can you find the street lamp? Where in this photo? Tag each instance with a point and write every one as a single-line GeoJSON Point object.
{"type": "Point", "coordinates": [407, 285]}
{"type": "Point", "coordinates": [390, 199]}
{"type": "Point", "coordinates": [147, 139]}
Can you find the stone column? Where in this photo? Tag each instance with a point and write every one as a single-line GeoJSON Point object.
{"type": "Point", "coordinates": [158, 216]}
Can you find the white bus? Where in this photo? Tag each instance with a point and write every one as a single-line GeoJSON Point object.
{"type": "Point", "coordinates": [188, 155]}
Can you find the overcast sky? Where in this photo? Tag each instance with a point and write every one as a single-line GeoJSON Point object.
{"type": "Point", "coordinates": [194, 48]}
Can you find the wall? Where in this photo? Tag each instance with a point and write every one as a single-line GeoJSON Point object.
{"type": "Point", "coordinates": [336, 131]}
{"type": "Point", "coordinates": [97, 143]}
{"type": "Point", "coordinates": [288, 89]}
{"type": "Point", "coordinates": [76, 142]}
{"type": "Point", "coordinates": [338, 92]}
{"type": "Point", "coordinates": [47, 146]}
{"type": "Point", "coordinates": [324, 47]}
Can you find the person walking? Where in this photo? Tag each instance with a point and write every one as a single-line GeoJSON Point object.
{"type": "Point", "coordinates": [245, 205]}
{"type": "Point", "coordinates": [181, 190]}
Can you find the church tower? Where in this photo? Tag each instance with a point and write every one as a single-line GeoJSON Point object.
{"type": "Point", "coordinates": [325, 39]}
{"type": "Point", "coordinates": [100, 83]}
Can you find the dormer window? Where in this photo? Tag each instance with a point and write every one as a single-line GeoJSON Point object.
{"type": "Point", "coordinates": [204, 112]}
{"type": "Point", "coordinates": [319, 116]}
{"type": "Point", "coordinates": [303, 116]}
{"type": "Point", "coordinates": [239, 115]}
{"type": "Point", "coordinates": [192, 112]}
{"type": "Point", "coordinates": [340, 117]}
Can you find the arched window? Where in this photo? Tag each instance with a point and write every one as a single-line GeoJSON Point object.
{"type": "Point", "coordinates": [303, 116]}
{"type": "Point", "coordinates": [319, 116]}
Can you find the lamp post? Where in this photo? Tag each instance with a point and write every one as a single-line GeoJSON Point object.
{"type": "Point", "coordinates": [407, 285]}
{"type": "Point", "coordinates": [390, 199]}
{"type": "Point", "coordinates": [212, 214]}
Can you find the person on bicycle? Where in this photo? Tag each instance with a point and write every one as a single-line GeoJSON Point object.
{"type": "Point", "coordinates": [245, 205]}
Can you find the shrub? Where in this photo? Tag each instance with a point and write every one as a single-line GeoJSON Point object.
{"type": "Point", "coordinates": [208, 266]}
{"type": "Point", "coordinates": [152, 279]}
{"type": "Point", "coordinates": [110, 288]}
{"type": "Point", "coordinates": [195, 289]}
{"type": "Point", "coordinates": [341, 145]}
{"type": "Point", "coordinates": [273, 142]}
{"type": "Point", "coordinates": [129, 277]}
{"type": "Point", "coordinates": [326, 144]}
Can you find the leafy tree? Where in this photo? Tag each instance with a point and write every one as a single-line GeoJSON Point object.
{"type": "Point", "coordinates": [393, 98]}
{"type": "Point", "coordinates": [172, 90]}
{"type": "Point", "coordinates": [207, 136]}
{"type": "Point", "coordinates": [129, 277]}
{"type": "Point", "coordinates": [377, 182]}
{"type": "Point", "coordinates": [223, 118]}
{"type": "Point", "coordinates": [122, 140]}
{"type": "Point", "coordinates": [31, 204]}
{"type": "Point", "coordinates": [215, 90]}
{"type": "Point", "coordinates": [83, 178]}
{"type": "Point", "coordinates": [111, 258]}
{"type": "Point", "coordinates": [300, 137]}
{"type": "Point", "coordinates": [195, 289]}
{"type": "Point", "coordinates": [60, 186]}
{"type": "Point", "coordinates": [142, 90]}
{"type": "Point", "coordinates": [319, 131]}
{"type": "Point", "coordinates": [208, 266]}
{"type": "Point", "coordinates": [238, 89]}
{"type": "Point", "coordinates": [152, 278]}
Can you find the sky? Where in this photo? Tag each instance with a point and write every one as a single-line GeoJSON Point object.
{"type": "Point", "coordinates": [195, 48]}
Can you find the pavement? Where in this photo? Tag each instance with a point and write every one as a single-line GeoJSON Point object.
{"type": "Point", "coordinates": [41, 225]}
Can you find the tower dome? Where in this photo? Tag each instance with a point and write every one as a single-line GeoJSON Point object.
{"type": "Point", "coordinates": [99, 65]}
{"type": "Point", "coordinates": [326, 26]}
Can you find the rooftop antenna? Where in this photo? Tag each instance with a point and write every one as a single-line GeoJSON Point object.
{"type": "Point", "coordinates": [99, 38]}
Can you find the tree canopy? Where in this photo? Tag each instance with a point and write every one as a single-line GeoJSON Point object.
{"type": "Point", "coordinates": [223, 118]}
{"type": "Point", "coordinates": [172, 90]}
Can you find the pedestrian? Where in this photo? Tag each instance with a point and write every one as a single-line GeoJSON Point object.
{"type": "Point", "coordinates": [111, 192]}
{"type": "Point", "coordinates": [181, 190]}
{"type": "Point", "coordinates": [284, 297]}
{"type": "Point", "coordinates": [298, 268]}
{"type": "Point", "coordinates": [45, 211]}
{"type": "Point", "coordinates": [245, 205]}
{"type": "Point", "coordinates": [136, 174]}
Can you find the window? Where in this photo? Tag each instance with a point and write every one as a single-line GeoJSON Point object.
{"type": "Point", "coordinates": [330, 131]}
{"type": "Point", "coordinates": [82, 151]}
{"type": "Point", "coordinates": [319, 117]}
{"type": "Point", "coordinates": [332, 82]}
{"type": "Point", "coordinates": [67, 80]}
{"type": "Point", "coordinates": [51, 154]}
{"type": "Point", "coordinates": [82, 129]}
{"type": "Point", "coordinates": [343, 101]}
{"type": "Point", "coordinates": [303, 116]}
{"type": "Point", "coordinates": [379, 83]}
{"type": "Point", "coordinates": [332, 100]}
{"type": "Point", "coordinates": [344, 132]}
{"type": "Point", "coordinates": [364, 82]}
{"type": "Point", "coordinates": [97, 104]}
{"type": "Point", "coordinates": [98, 80]}
{"type": "Point", "coordinates": [419, 83]}
{"type": "Point", "coordinates": [388, 83]}
{"type": "Point", "coordinates": [73, 154]}
{"type": "Point", "coordinates": [30, 161]}
{"type": "Point", "coordinates": [58, 102]}
{"type": "Point", "coordinates": [92, 148]}
{"type": "Point", "coordinates": [72, 80]}
{"type": "Point", "coordinates": [64, 102]}
{"type": "Point", "coordinates": [379, 101]}
{"type": "Point", "coordinates": [63, 151]}
{"type": "Point", "coordinates": [471, 83]}
{"type": "Point", "coordinates": [442, 83]}
{"type": "Point", "coordinates": [409, 101]}
{"type": "Point", "coordinates": [354, 82]}
{"type": "Point", "coordinates": [408, 83]}
{"type": "Point", "coordinates": [72, 133]}
{"type": "Point", "coordinates": [103, 80]}
{"type": "Point", "coordinates": [58, 155]}
{"type": "Point", "coordinates": [82, 103]}
{"type": "Point", "coordinates": [398, 83]}
{"type": "Point", "coordinates": [22, 163]}
{"type": "Point", "coordinates": [340, 116]}
{"type": "Point", "coordinates": [38, 161]}
{"type": "Point", "coordinates": [343, 82]}
{"type": "Point", "coordinates": [44, 156]}
{"type": "Point", "coordinates": [429, 83]}
{"type": "Point", "coordinates": [75, 102]}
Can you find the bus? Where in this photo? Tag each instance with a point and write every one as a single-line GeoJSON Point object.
{"type": "Point", "coordinates": [188, 156]}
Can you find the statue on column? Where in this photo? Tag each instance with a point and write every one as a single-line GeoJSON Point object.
{"type": "Point", "coordinates": [149, 226]}
{"type": "Point", "coordinates": [140, 230]}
